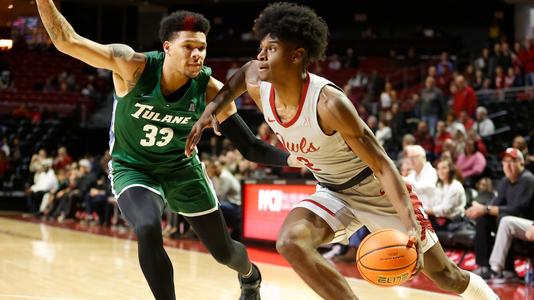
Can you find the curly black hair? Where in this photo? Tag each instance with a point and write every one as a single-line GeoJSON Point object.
{"type": "Point", "coordinates": [182, 20]}
{"type": "Point", "coordinates": [291, 22]}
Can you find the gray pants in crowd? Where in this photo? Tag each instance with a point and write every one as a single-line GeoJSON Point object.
{"type": "Point", "coordinates": [509, 228]}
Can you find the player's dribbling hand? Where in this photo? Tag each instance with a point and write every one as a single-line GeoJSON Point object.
{"type": "Point", "coordinates": [206, 120]}
{"type": "Point", "coordinates": [416, 241]}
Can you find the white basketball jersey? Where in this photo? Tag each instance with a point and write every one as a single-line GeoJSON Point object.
{"type": "Point", "coordinates": [327, 156]}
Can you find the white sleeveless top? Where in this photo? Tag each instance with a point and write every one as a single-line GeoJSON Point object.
{"type": "Point", "coordinates": [328, 157]}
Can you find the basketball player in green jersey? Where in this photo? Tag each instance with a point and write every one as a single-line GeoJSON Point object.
{"type": "Point", "coordinates": [158, 98]}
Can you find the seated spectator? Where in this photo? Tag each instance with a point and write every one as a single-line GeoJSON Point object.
{"type": "Point", "coordinates": [21, 112]}
{"type": "Point", "coordinates": [470, 74]}
{"type": "Point", "coordinates": [98, 207]}
{"type": "Point", "coordinates": [472, 135]}
{"type": "Point", "coordinates": [407, 140]}
{"type": "Point", "coordinates": [4, 164]}
{"type": "Point", "coordinates": [349, 60]}
{"type": "Point", "coordinates": [478, 80]}
{"type": "Point", "coordinates": [515, 197]}
{"type": "Point", "coordinates": [483, 126]}
{"type": "Point", "coordinates": [500, 82]}
{"type": "Point", "coordinates": [423, 137]}
{"type": "Point", "coordinates": [448, 202]}
{"type": "Point", "coordinates": [512, 79]}
{"type": "Point", "coordinates": [44, 180]}
{"type": "Point", "coordinates": [387, 97]}
{"type": "Point", "coordinates": [358, 80]}
{"type": "Point", "coordinates": [521, 144]}
{"type": "Point", "coordinates": [484, 191]}
{"type": "Point", "coordinates": [441, 136]}
{"type": "Point", "coordinates": [228, 190]}
{"type": "Point", "coordinates": [62, 159]}
{"type": "Point", "coordinates": [372, 122]}
{"type": "Point", "coordinates": [422, 176]}
{"type": "Point", "coordinates": [4, 146]}
{"type": "Point", "coordinates": [81, 181]}
{"type": "Point", "coordinates": [334, 63]}
{"type": "Point", "coordinates": [466, 120]}
{"type": "Point", "coordinates": [383, 134]}
{"type": "Point", "coordinates": [453, 125]}
{"type": "Point", "coordinates": [471, 163]}
{"type": "Point", "coordinates": [509, 228]}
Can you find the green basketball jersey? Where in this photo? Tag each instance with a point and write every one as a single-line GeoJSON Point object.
{"type": "Point", "coordinates": [148, 132]}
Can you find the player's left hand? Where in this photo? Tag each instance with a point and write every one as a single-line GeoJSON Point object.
{"type": "Point", "coordinates": [292, 161]}
{"type": "Point", "coordinates": [416, 241]}
{"type": "Point", "coordinates": [207, 119]}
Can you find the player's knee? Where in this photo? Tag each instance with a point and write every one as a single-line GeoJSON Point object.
{"type": "Point", "coordinates": [222, 256]}
{"type": "Point", "coordinates": [450, 278]}
{"type": "Point", "coordinates": [147, 230]}
{"type": "Point", "coordinates": [292, 242]}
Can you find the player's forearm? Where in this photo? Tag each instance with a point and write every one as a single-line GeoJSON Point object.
{"type": "Point", "coordinates": [252, 148]}
{"type": "Point", "coordinates": [233, 88]}
{"type": "Point", "coordinates": [395, 189]}
{"type": "Point", "coordinates": [60, 31]}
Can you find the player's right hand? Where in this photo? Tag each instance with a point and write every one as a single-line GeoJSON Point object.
{"type": "Point", "coordinates": [416, 241]}
{"type": "Point", "coordinates": [293, 162]}
{"type": "Point", "coordinates": [207, 119]}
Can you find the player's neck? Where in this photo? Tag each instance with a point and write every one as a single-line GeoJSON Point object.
{"type": "Point", "coordinates": [289, 91]}
{"type": "Point", "coordinates": [171, 80]}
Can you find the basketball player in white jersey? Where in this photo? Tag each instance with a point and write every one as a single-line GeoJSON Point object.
{"type": "Point", "coordinates": [358, 183]}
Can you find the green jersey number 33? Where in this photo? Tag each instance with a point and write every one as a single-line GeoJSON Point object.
{"type": "Point", "coordinates": [156, 136]}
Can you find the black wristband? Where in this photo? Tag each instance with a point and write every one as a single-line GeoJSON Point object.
{"type": "Point", "coordinates": [252, 148]}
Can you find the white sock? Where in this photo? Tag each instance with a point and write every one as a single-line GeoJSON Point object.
{"type": "Point", "coordinates": [477, 289]}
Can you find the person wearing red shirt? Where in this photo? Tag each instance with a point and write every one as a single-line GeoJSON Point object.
{"type": "Point", "coordinates": [441, 136]}
{"type": "Point", "coordinates": [464, 97]}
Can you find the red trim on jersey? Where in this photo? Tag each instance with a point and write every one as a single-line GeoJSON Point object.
{"type": "Point", "coordinates": [320, 205]}
{"type": "Point", "coordinates": [419, 214]}
{"type": "Point", "coordinates": [301, 103]}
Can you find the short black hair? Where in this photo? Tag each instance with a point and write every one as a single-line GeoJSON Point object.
{"type": "Point", "coordinates": [182, 20]}
{"type": "Point", "coordinates": [294, 23]}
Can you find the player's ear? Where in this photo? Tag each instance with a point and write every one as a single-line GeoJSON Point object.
{"type": "Point", "coordinates": [298, 55]}
{"type": "Point", "coordinates": [166, 47]}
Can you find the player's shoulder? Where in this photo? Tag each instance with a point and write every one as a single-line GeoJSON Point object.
{"type": "Point", "coordinates": [331, 96]}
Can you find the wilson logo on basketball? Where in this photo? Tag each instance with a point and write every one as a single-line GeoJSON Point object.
{"type": "Point", "coordinates": [393, 280]}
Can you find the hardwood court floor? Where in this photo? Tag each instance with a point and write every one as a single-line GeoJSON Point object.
{"type": "Point", "coordinates": [38, 261]}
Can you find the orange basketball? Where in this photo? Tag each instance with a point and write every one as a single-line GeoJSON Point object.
{"type": "Point", "coordinates": [386, 257]}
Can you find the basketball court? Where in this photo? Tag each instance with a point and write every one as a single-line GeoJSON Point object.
{"type": "Point", "coordinates": [39, 261]}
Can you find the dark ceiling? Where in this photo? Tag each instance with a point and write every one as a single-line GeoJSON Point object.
{"type": "Point", "coordinates": [158, 2]}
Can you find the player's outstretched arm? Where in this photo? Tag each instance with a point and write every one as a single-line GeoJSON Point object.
{"type": "Point", "coordinates": [119, 58]}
